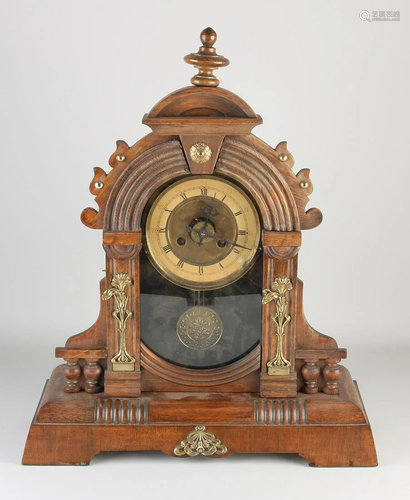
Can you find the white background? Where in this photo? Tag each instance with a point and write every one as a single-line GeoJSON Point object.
{"type": "Point", "coordinates": [77, 76]}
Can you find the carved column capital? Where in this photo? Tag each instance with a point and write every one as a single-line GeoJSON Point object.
{"type": "Point", "coordinates": [281, 253]}
{"type": "Point", "coordinates": [122, 252]}
{"type": "Point", "coordinates": [122, 245]}
{"type": "Point", "coordinates": [281, 245]}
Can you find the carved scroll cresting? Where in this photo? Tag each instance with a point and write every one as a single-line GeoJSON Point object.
{"type": "Point", "coordinates": [279, 365]}
{"type": "Point", "coordinates": [122, 362]}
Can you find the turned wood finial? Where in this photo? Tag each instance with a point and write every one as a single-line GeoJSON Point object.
{"type": "Point", "coordinates": [206, 60]}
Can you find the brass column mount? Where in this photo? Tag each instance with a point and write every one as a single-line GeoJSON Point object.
{"type": "Point", "coordinates": [279, 365]}
{"type": "Point", "coordinates": [122, 362]}
{"type": "Point", "coordinates": [200, 442]}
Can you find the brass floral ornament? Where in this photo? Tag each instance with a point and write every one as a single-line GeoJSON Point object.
{"type": "Point", "coordinates": [200, 442]}
{"type": "Point", "coordinates": [122, 362]}
{"type": "Point", "coordinates": [200, 152]}
{"type": "Point", "coordinates": [279, 365]}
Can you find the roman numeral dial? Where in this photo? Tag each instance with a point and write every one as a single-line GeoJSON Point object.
{"type": "Point", "coordinates": [202, 232]}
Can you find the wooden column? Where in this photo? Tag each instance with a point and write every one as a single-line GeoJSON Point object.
{"type": "Point", "coordinates": [72, 374]}
{"type": "Point", "coordinates": [122, 249]}
{"type": "Point", "coordinates": [92, 373]}
{"type": "Point", "coordinates": [310, 373]}
{"type": "Point", "coordinates": [313, 359]}
{"type": "Point", "coordinates": [72, 369]}
{"type": "Point", "coordinates": [331, 374]}
{"type": "Point", "coordinates": [280, 262]}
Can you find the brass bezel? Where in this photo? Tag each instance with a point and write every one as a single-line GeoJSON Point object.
{"type": "Point", "coordinates": [216, 284]}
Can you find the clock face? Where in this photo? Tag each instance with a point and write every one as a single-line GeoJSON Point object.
{"type": "Point", "coordinates": [202, 233]}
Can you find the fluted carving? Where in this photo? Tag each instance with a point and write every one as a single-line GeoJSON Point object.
{"type": "Point", "coordinates": [280, 411]}
{"type": "Point", "coordinates": [131, 411]}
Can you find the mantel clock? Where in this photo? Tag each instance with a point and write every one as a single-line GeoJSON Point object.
{"type": "Point", "coordinates": [201, 346]}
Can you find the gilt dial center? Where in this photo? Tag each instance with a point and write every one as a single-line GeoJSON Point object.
{"type": "Point", "coordinates": [201, 221]}
{"type": "Point", "coordinates": [202, 230]}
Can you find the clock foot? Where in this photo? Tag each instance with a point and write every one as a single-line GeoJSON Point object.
{"type": "Point", "coordinates": [342, 446]}
{"type": "Point", "coordinates": [58, 445]}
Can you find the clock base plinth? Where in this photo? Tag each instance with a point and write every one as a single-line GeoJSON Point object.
{"type": "Point", "coordinates": [328, 431]}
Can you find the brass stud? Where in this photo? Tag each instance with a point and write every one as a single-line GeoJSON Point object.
{"type": "Point", "coordinates": [283, 157]}
{"type": "Point", "coordinates": [200, 152]}
{"type": "Point", "coordinates": [304, 184]}
{"type": "Point", "coordinates": [98, 185]}
{"type": "Point", "coordinates": [120, 157]}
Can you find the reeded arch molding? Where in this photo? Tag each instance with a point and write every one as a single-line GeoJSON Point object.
{"type": "Point", "coordinates": [277, 190]}
{"type": "Point", "coordinates": [247, 160]}
{"type": "Point", "coordinates": [133, 189]}
{"type": "Point", "coordinates": [264, 182]}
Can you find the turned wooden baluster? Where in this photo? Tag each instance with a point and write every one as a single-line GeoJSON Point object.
{"type": "Point", "coordinates": [72, 373]}
{"type": "Point", "coordinates": [310, 372]}
{"type": "Point", "coordinates": [331, 374]}
{"type": "Point", "coordinates": [92, 372]}
{"type": "Point", "coordinates": [206, 60]}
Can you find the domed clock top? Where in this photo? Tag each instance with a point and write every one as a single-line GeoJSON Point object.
{"type": "Point", "coordinates": [211, 124]}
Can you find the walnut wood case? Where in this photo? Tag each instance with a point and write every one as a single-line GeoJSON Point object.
{"type": "Point", "coordinates": [287, 395]}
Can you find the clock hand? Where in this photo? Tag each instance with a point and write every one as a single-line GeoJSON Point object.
{"type": "Point", "coordinates": [203, 233]}
{"type": "Point", "coordinates": [227, 242]}
{"type": "Point", "coordinates": [236, 245]}
{"type": "Point", "coordinates": [209, 210]}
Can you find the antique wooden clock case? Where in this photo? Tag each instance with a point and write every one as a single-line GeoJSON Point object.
{"type": "Point", "coordinates": [201, 346]}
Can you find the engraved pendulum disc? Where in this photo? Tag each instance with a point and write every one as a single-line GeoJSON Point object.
{"type": "Point", "coordinates": [199, 328]}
